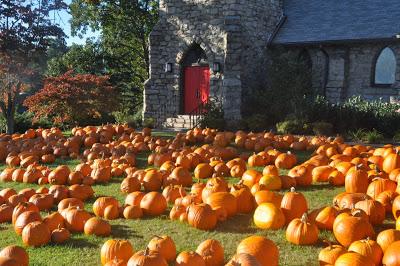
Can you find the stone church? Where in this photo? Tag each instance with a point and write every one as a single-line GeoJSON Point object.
{"type": "Point", "coordinates": [216, 49]}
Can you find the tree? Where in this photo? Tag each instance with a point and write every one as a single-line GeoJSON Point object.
{"type": "Point", "coordinates": [83, 59]}
{"type": "Point", "coordinates": [73, 99]}
{"type": "Point", "coordinates": [26, 31]}
{"type": "Point", "coordinates": [14, 79]}
{"type": "Point", "coordinates": [124, 28]}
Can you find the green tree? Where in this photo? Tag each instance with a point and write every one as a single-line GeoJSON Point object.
{"type": "Point", "coordinates": [124, 28]}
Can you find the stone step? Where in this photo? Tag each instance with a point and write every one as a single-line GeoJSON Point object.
{"type": "Point", "coordinates": [179, 123]}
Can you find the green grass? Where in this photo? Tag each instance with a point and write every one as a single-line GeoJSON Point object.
{"type": "Point", "coordinates": [85, 250]}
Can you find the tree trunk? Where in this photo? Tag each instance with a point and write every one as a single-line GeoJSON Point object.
{"type": "Point", "coordinates": [10, 124]}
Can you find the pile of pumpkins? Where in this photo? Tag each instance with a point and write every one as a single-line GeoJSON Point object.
{"type": "Point", "coordinates": [23, 209]}
{"type": "Point", "coordinates": [161, 250]}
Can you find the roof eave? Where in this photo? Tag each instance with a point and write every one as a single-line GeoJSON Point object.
{"type": "Point", "coordinates": [335, 42]}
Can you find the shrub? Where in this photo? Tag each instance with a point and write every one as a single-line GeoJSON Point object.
{"type": "Point", "coordinates": [126, 117]}
{"type": "Point", "coordinates": [257, 123]}
{"type": "Point", "coordinates": [356, 135]}
{"type": "Point", "coordinates": [373, 136]}
{"type": "Point", "coordinates": [396, 137]}
{"type": "Point", "coordinates": [291, 127]}
{"type": "Point", "coordinates": [149, 122]}
{"type": "Point", "coordinates": [322, 128]}
{"type": "Point", "coordinates": [213, 117]}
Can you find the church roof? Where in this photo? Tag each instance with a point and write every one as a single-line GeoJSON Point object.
{"type": "Point", "coordinates": [321, 21]}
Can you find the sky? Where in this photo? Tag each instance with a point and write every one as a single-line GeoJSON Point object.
{"type": "Point", "coordinates": [65, 24]}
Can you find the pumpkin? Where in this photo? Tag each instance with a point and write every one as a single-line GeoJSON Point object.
{"type": "Point", "coordinates": [189, 258]}
{"type": "Point", "coordinates": [132, 212]}
{"type": "Point", "coordinates": [285, 160]}
{"type": "Point", "coordinates": [351, 228]}
{"type": "Point", "coordinates": [153, 204]}
{"type": "Point", "coordinates": [386, 198]}
{"type": "Point", "coordinates": [387, 237]}
{"type": "Point", "coordinates": [147, 258]}
{"type": "Point", "coordinates": [36, 234]}
{"type": "Point", "coordinates": [237, 170]}
{"type": "Point", "coordinates": [271, 182]}
{"type": "Point", "coordinates": [97, 226]}
{"type": "Point", "coordinates": [244, 198]}
{"type": "Point", "coordinates": [369, 248]}
{"type": "Point", "coordinates": [374, 209]}
{"type": "Point", "coordinates": [24, 219]}
{"type": "Point", "coordinates": [302, 232]}
{"type": "Point", "coordinates": [293, 205]}
{"type": "Point", "coordinates": [336, 178]}
{"type": "Point", "coordinates": [203, 170]}
{"type": "Point", "coordinates": [101, 203]}
{"type": "Point", "coordinates": [256, 160]}
{"type": "Point", "coordinates": [269, 216]}
{"type": "Point", "coordinates": [60, 235]}
{"type": "Point", "coordinates": [356, 180]}
{"type": "Point", "coordinates": [116, 249]}
{"type": "Point", "coordinates": [265, 196]}
{"type": "Point", "coordinates": [251, 177]}
{"type": "Point", "coordinates": [165, 246]}
{"type": "Point", "coordinates": [270, 170]}
{"type": "Point", "coordinates": [329, 255]}
{"type": "Point", "coordinates": [321, 173]}
{"type": "Point", "coordinates": [16, 253]}
{"type": "Point", "coordinates": [243, 259]}
{"type": "Point", "coordinates": [392, 255]}
{"type": "Point", "coordinates": [59, 176]}
{"type": "Point", "coordinates": [82, 192]}
{"type": "Point", "coordinates": [182, 176]}
{"type": "Point", "coordinates": [6, 212]}
{"type": "Point", "coordinates": [353, 259]}
{"type": "Point", "coordinates": [152, 180]}
{"type": "Point", "coordinates": [215, 184]}
{"type": "Point", "coordinates": [302, 174]}
{"type": "Point", "coordinates": [54, 221]}
{"type": "Point", "coordinates": [379, 185]}
{"type": "Point", "coordinates": [42, 201]}
{"type": "Point", "coordinates": [396, 207]}
{"type": "Point", "coordinates": [134, 198]}
{"type": "Point", "coordinates": [75, 219]}
{"type": "Point", "coordinates": [225, 200]}
{"type": "Point", "coordinates": [171, 193]}
{"type": "Point", "coordinates": [264, 250]}
{"type": "Point", "coordinates": [391, 162]}
{"type": "Point", "coordinates": [7, 192]}
{"type": "Point", "coordinates": [70, 202]}
{"type": "Point", "coordinates": [111, 212]}
{"type": "Point", "coordinates": [59, 192]}
{"type": "Point", "coordinates": [130, 184]}
{"type": "Point", "coordinates": [212, 252]}
{"type": "Point", "coordinates": [325, 218]}
{"type": "Point", "coordinates": [201, 216]}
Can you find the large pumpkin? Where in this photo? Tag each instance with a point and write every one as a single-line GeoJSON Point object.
{"type": "Point", "coordinates": [163, 245]}
{"type": "Point", "coordinates": [356, 180]}
{"type": "Point", "coordinates": [224, 200]}
{"type": "Point", "coordinates": [392, 255]}
{"type": "Point", "coordinates": [243, 259]}
{"type": "Point", "coordinates": [349, 229]}
{"type": "Point", "coordinates": [101, 203]}
{"type": "Point", "coordinates": [268, 216]}
{"type": "Point", "coordinates": [368, 248]}
{"type": "Point", "coordinates": [212, 252]}
{"type": "Point", "coordinates": [17, 253]}
{"type": "Point", "coordinates": [119, 249]}
{"type": "Point", "coordinates": [387, 237]}
{"type": "Point", "coordinates": [353, 259]}
{"type": "Point", "coordinates": [329, 255]}
{"type": "Point", "coordinates": [153, 204]}
{"type": "Point", "coordinates": [244, 198]}
{"type": "Point", "coordinates": [24, 219]}
{"type": "Point", "coordinates": [302, 232]}
{"type": "Point", "coordinates": [293, 205]}
{"type": "Point", "coordinates": [391, 162]}
{"type": "Point", "coordinates": [36, 234]}
{"type": "Point", "coordinates": [263, 249]}
{"type": "Point", "coordinates": [147, 258]}
{"type": "Point", "coordinates": [97, 226]}
{"type": "Point", "coordinates": [202, 217]}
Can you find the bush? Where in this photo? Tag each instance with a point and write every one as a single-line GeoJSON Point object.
{"type": "Point", "coordinates": [396, 137]}
{"type": "Point", "coordinates": [322, 128]}
{"type": "Point", "coordinates": [256, 123]}
{"type": "Point", "coordinates": [126, 117]}
{"type": "Point", "coordinates": [373, 136]}
{"type": "Point", "coordinates": [149, 122]}
{"type": "Point", "coordinates": [291, 127]}
{"type": "Point", "coordinates": [214, 115]}
{"type": "Point", "coordinates": [356, 135]}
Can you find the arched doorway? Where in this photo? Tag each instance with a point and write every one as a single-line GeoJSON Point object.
{"type": "Point", "coordinates": [195, 78]}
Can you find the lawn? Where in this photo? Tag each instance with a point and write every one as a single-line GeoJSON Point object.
{"type": "Point", "coordinates": [84, 250]}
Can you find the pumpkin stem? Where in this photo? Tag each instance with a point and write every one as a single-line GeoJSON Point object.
{"type": "Point", "coordinates": [304, 217]}
{"type": "Point", "coordinates": [146, 252]}
{"type": "Point", "coordinates": [328, 242]}
{"type": "Point", "coordinates": [292, 189]}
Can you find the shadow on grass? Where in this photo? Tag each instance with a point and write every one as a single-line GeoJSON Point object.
{"type": "Point", "coordinates": [240, 223]}
{"type": "Point", "coordinates": [124, 231]}
{"type": "Point", "coordinates": [316, 187]}
{"type": "Point", "coordinates": [77, 243]}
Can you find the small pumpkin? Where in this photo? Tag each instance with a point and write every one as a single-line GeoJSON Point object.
{"type": "Point", "coordinates": [269, 216]}
{"type": "Point", "coordinates": [264, 250]}
{"type": "Point", "coordinates": [212, 252]}
{"type": "Point", "coordinates": [132, 212]}
{"type": "Point", "coordinates": [153, 204]}
{"type": "Point", "coordinates": [60, 235]}
{"type": "Point", "coordinates": [189, 258]}
{"type": "Point", "coordinates": [164, 245]}
{"type": "Point", "coordinates": [147, 258]}
{"type": "Point", "coordinates": [97, 226]}
{"type": "Point", "coordinates": [392, 255]}
{"type": "Point", "coordinates": [329, 255]}
{"type": "Point", "coordinates": [293, 205]}
{"type": "Point", "coordinates": [387, 237]}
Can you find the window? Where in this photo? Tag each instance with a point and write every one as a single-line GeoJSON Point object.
{"type": "Point", "coordinates": [385, 67]}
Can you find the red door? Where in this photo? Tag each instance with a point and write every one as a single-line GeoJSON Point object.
{"type": "Point", "coordinates": [197, 87]}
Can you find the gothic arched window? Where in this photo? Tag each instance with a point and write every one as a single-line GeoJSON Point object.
{"type": "Point", "coordinates": [385, 67]}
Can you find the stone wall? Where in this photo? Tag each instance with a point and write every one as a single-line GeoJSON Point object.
{"type": "Point", "coordinates": [233, 33]}
{"type": "Point", "coordinates": [351, 71]}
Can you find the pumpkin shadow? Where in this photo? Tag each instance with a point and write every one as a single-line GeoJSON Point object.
{"type": "Point", "coordinates": [240, 223]}
{"type": "Point", "coordinates": [123, 231]}
{"type": "Point", "coordinates": [316, 187]}
{"type": "Point", "coordinates": [77, 243]}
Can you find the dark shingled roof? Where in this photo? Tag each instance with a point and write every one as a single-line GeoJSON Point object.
{"type": "Point", "coordinates": [318, 21]}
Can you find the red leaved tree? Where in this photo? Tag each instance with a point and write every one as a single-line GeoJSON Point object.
{"type": "Point", "coordinates": [73, 98]}
{"type": "Point", "coordinates": [14, 80]}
